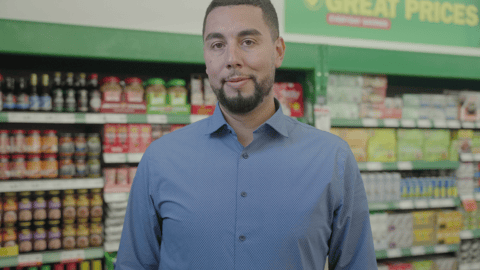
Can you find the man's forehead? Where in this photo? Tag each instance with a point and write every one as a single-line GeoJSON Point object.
{"type": "Point", "coordinates": [233, 20]}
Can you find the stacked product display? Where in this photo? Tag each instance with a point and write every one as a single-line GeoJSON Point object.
{"type": "Point", "coordinates": [84, 265]}
{"type": "Point", "coordinates": [51, 220]}
{"type": "Point", "coordinates": [469, 251]}
{"type": "Point", "coordinates": [392, 145]}
{"type": "Point", "coordinates": [432, 263]}
{"type": "Point", "coordinates": [119, 179]}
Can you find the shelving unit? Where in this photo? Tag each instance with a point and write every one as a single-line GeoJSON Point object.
{"type": "Point", "coordinates": [39, 258]}
{"type": "Point", "coordinates": [407, 165]}
{"type": "Point", "coordinates": [470, 266]}
{"type": "Point", "coordinates": [415, 251]}
{"type": "Point", "coordinates": [51, 184]}
{"type": "Point", "coordinates": [403, 123]}
{"type": "Point", "coordinates": [415, 204]}
{"type": "Point", "coordinates": [470, 234]}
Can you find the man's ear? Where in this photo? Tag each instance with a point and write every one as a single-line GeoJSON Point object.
{"type": "Point", "coordinates": [279, 52]}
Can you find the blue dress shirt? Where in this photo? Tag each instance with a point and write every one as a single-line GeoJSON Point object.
{"type": "Point", "coordinates": [200, 200]}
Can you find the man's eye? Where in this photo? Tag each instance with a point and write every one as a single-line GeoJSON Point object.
{"type": "Point", "coordinates": [217, 46]}
{"type": "Point", "coordinates": [248, 42]}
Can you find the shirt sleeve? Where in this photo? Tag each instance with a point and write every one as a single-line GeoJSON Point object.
{"type": "Point", "coordinates": [351, 245]}
{"type": "Point", "coordinates": [141, 234]}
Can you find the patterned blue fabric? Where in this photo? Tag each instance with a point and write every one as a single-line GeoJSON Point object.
{"type": "Point", "coordinates": [200, 200]}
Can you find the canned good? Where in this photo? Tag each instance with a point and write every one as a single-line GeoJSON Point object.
{"type": "Point", "coordinates": [69, 204]}
{"type": "Point", "coordinates": [9, 235]}
{"type": "Point", "coordinates": [25, 206]}
{"type": "Point", "coordinates": [49, 166]}
{"type": "Point", "coordinates": [39, 206]}
{"type": "Point", "coordinates": [50, 142]}
{"type": "Point", "coordinates": [17, 167]}
{"type": "Point", "coordinates": [54, 235]}
{"type": "Point", "coordinates": [96, 232]}
{"type": "Point", "coordinates": [93, 167]}
{"type": "Point", "coordinates": [66, 146]}
{"type": "Point", "coordinates": [4, 142]}
{"type": "Point", "coordinates": [54, 205]}
{"type": "Point", "coordinates": [94, 144]}
{"type": "Point", "coordinates": [81, 168]}
{"type": "Point", "coordinates": [10, 208]}
{"type": "Point", "coordinates": [33, 142]}
{"type": "Point", "coordinates": [34, 166]}
{"type": "Point", "coordinates": [39, 236]}
{"type": "Point", "coordinates": [17, 141]}
{"type": "Point", "coordinates": [25, 237]}
{"type": "Point", "coordinates": [83, 232]}
{"type": "Point", "coordinates": [69, 233]}
{"type": "Point", "coordinates": [83, 204]}
{"type": "Point", "coordinates": [96, 204]}
{"type": "Point", "coordinates": [66, 168]}
{"type": "Point", "coordinates": [4, 167]}
{"type": "Point", "coordinates": [80, 143]}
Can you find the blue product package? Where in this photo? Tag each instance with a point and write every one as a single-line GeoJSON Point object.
{"type": "Point", "coordinates": [443, 187]}
{"type": "Point", "coordinates": [436, 188]}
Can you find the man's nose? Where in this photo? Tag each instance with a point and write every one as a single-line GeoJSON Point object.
{"type": "Point", "coordinates": [234, 59]}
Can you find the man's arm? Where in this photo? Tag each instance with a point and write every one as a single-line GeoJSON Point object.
{"type": "Point", "coordinates": [351, 245]}
{"type": "Point", "coordinates": [141, 235]}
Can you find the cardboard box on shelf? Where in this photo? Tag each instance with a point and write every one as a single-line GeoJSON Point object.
{"type": "Point", "coordinates": [344, 110]}
{"type": "Point", "coordinates": [464, 138]}
{"type": "Point", "coordinates": [372, 110]}
{"type": "Point", "coordinates": [115, 138]}
{"type": "Point", "coordinates": [411, 113]}
{"type": "Point", "coordinates": [424, 219]}
{"type": "Point", "coordinates": [393, 108]}
{"type": "Point", "coordinates": [382, 146]}
{"type": "Point", "coordinates": [139, 137]}
{"type": "Point", "coordinates": [469, 106]}
{"type": "Point", "coordinates": [447, 237]}
{"type": "Point", "coordinates": [424, 237]}
{"type": "Point", "coordinates": [436, 145]}
{"type": "Point", "coordinates": [411, 100]}
{"type": "Point", "coordinates": [290, 96]}
{"type": "Point", "coordinates": [410, 144]}
{"type": "Point", "coordinates": [449, 220]}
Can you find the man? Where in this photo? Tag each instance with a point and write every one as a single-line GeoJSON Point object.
{"type": "Point", "coordinates": [248, 187]}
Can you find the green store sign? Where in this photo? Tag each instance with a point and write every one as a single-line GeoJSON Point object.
{"type": "Point", "coordinates": [450, 23]}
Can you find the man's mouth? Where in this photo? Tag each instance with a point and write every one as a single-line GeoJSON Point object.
{"type": "Point", "coordinates": [237, 82]}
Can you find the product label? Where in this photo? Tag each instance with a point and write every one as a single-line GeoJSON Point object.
{"type": "Point", "coordinates": [46, 103]}
{"type": "Point", "coordinates": [9, 103]}
{"type": "Point", "coordinates": [70, 102]}
{"type": "Point", "coordinates": [34, 103]}
{"type": "Point", "coordinates": [58, 100]}
{"type": "Point", "coordinates": [22, 102]}
{"type": "Point", "coordinates": [82, 100]}
{"type": "Point", "coordinates": [95, 101]}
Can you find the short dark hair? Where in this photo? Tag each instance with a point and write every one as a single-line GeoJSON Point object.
{"type": "Point", "coordinates": [268, 10]}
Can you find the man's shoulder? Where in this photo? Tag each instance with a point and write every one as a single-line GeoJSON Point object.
{"type": "Point", "coordinates": [188, 133]}
{"type": "Point", "coordinates": [306, 131]}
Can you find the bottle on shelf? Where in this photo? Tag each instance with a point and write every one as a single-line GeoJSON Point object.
{"type": "Point", "coordinates": [57, 95]}
{"type": "Point", "coordinates": [23, 102]}
{"type": "Point", "coordinates": [82, 93]}
{"type": "Point", "coordinates": [70, 102]}
{"type": "Point", "coordinates": [45, 98]}
{"type": "Point", "coordinates": [34, 98]}
{"type": "Point", "coordinates": [9, 99]}
{"type": "Point", "coordinates": [95, 97]}
{"type": "Point", "coordinates": [1, 92]}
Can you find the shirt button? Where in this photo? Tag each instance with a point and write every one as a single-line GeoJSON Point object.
{"type": "Point", "coordinates": [245, 155]}
{"type": "Point", "coordinates": [244, 194]}
{"type": "Point", "coordinates": [242, 238]}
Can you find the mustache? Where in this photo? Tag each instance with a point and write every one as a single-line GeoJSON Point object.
{"type": "Point", "coordinates": [237, 73]}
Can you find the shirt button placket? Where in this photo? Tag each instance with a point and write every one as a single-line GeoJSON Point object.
{"type": "Point", "coordinates": [245, 155]}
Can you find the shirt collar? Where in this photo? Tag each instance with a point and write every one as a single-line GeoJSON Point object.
{"type": "Point", "coordinates": [277, 121]}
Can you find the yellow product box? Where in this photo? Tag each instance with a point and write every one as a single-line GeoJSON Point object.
{"type": "Point", "coordinates": [424, 219]}
{"type": "Point", "coordinates": [357, 139]}
{"type": "Point", "coordinates": [447, 237]}
{"type": "Point", "coordinates": [462, 134]}
{"type": "Point", "coordinates": [9, 251]}
{"type": "Point", "coordinates": [424, 237]}
{"type": "Point", "coordinates": [340, 132]}
{"type": "Point", "coordinates": [382, 146]}
{"type": "Point", "coordinates": [449, 220]}
{"type": "Point", "coordinates": [424, 265]}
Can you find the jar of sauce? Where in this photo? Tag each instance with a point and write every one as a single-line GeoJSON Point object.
{"type": "Point", "coordinates": [33, 143]}
{"type": "Point", "coordinates": [50, 142]}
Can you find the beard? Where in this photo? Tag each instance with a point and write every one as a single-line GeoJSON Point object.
{"type": "Point", "coordinates": [242, 105]}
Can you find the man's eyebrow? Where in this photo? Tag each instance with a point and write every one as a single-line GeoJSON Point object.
{"type": "Point", "coordinates": [248, 32]}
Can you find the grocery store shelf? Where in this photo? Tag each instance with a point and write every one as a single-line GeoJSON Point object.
{"type": "Point", "coordinates": [470, 234]}
{"type": "Point", "coordinates": [122, 158]}
{"type": "Point", "coordinates": [52, 257]}
{"type": "Point", "coordinates": [407, 165]}
{"type": "Point", "coordinates": [51, 184]}
{"type": "Point", "coordinates": [96, 118]}
{"type": "Point", "coordinates": [115, 197]}
{"type": "Point", "coordinates": [469, 157]}
{"type": "Point", "coordinates": [111, 246]}
{"type": "Point", "coordinates": [469, 266]}
{"type": "Point", "coordinates": [414, 204]}
{"type": "Point", "coordinates": [415, 251]}
{"type": "Point", "coordinates": [403, 123]}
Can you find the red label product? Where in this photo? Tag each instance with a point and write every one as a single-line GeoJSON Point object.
{"type": "Point", "coordinates": [4, 167]}
{"type": "Point", "coordinates": [140, 137]}
{"type": "Point", "coordinates": [4, 142]}
{"type": "Point", "coordinates": [18, 167]}
{"type": "Point", "coordinates": [290, 96]}
{"type": "Point", "coordinates": [110, 176]}
{"type": "Point", "coordinates": [17, 141]}
{"type": "Point", "coordinates": [115, 138]}
{"type": "Point", "coordinates": [122, 176]}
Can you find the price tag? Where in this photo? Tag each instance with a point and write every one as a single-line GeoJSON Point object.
{"type": "Point", "coordinates": [157, 119]}
{"type": "Point", "coordinates": [12, 186]}
{"type": "Point", "coordinates": [417, 250]}
{"type": "Point", "coordinates": [391, 123]}
{"type": "Point", "coordinates": [465, 267]}
{"type": "Point", "coordinates": [441, 249]}
{"type": "Point", "coordinates": [114, 158]}
{"type": "Point", "coordinates": [476, 157]}
{"type": "Point", "coordinates": [111, 246]}
{"type": "Point", "coordinates": [453, 124]}
{"type": "Point", "coordinates": [116, 118]}
{"type": "Point", "coordinates": [94, 118]}
{"type": "Point", "coordinates": [440, 123]}
{"type": "Point", "coordinates": [369, 122]}
{"type": "Point", "coordinates": [23, 118]}
{"type": "Point", "coordinates": [466, 157]}
{"type": "Point", "coordinates": [68, 118]}
{"type": "Point", "coordinates": [477, 196]}
{"type": "Point", "coordinates": [115, 197]}
{"type": "Point", "coordinates": [374, 166]}
{"type": "Point", "coordinates": [469, 125]}
{"type": "Point", "coordinates": [30, 260]}
{"type": "Point", "coordinates": [405, 165]}
{"type": "Point", "coordinates": [405, 204]}
{"type": "Point", "coordinates": [409, 123]}
{"type": "Point", "coordinates": [475, 266]}
{"type": "Point", "coordinates": [134, 157]}
{"type": "Point", "coordinates": [72, 256]}
{"type": "Point", "coordinates": [435, 203]}
{"type": "Point", "coordinates": [421, 204]}
{"type": "Point", "coordinates": [424, 123]}
{"type": "Point", "coordinates": [466, 234]}
{"type": "Point", "coordinates": [197, 117]}
{"type": "Point", "coordinates": [394, 253]}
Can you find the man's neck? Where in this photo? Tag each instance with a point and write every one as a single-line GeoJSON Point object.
{"type": "Point", "coordinates": [245, 125]}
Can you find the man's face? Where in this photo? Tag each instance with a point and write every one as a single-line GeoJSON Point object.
{"type": "Point", "coordinates": [240, 56]}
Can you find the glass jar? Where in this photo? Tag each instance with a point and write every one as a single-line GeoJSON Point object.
{"type": "Point", "coordinates": [80, 168]}
{"type": "Point", "coordinates": [69, 232]}
{"type": "Point", "coordinates": [54, 235]}
{"type": "Point", "coordinates": [39, 206]}
{"type": "Point", "coordinates": [93, 167]}
{"type": "Point", "coordinates": [34, 166]}
{"type": "Point", "coordinates": [69, 204]}
{"type": "Point", "coordinates": [177, 92]}
{"type": "Point", "coordinates": [94, 145]}
{"type": "Point", "coordinates": [96, 204]}
{"type": "Point", "coordinates": [49, 166]}
{"type": "Point", "coordinates": [111, 89]}
{"type": "Point", "coordinates": [33, 142]}
{"type": "Point", "coordinates": [156, 92]}
{"type": "Point", "coordinates": [17, 141]}
{"type": "Point", "coordinates": [4, 167]}
{"type": "Point", "coordinates": [66, 146]}
{"type": "Point", "coordinates": [50, 142]}
{"type": "Point", "coordinates": [10, 208]}
{"type": "Point", "coordinates": [25, 237]}
{"type": "Point", "coordinates": [25, 206]}
{"type": "Point", "coordinates": [66, 168]}
{"type": "Point", "coordinates": [9, 235]}
{"type": "Point", "coordinates": [18, 167]}
{"type": "Point", "coordinates": [83, 232]}
{"type": "Point", "coordinates": [83, 204]}
{"type": "Point", "coordinates": [96, 232]}
{"type": "Point", "coordinates": [39, 236]}
{"type": "Point", "coordinates": [54, 205]}
{"type": "Point", "coordinates": [134, 90]}
{"type": "Point", "coordinates": [4, 142]}
{"type": "Point", "coordinates": [80, 143]}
